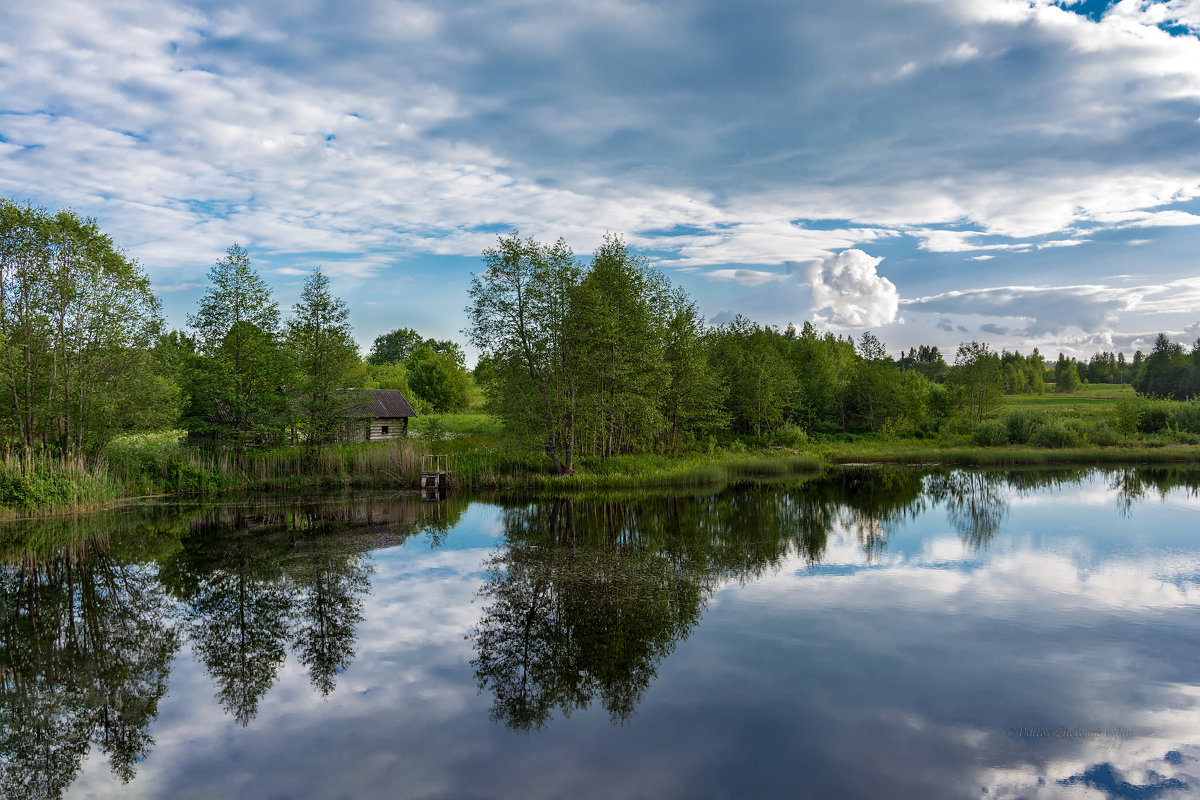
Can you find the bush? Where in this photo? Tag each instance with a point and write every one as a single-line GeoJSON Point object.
{"type": "Point", "coordinates": [991, 433]}
{"type": "Point", "coordinates": [1156, 417]}
{"type": "Point", "coordinates": [1102, 434]}
{"type": "Point", "coordinates": [1022, 425]}
{"type": "Point", "coordinates": [928, 428]}
{"type": "Point", "coordinates": [1185, 416]}
{"type": "Point", "coordinates": [790, 436]}
{"type": "Point", "coordinates": [1055, 433]}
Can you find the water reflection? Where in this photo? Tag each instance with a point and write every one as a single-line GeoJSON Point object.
{"type": "Point", "coordinates": [94, 610]}
{"type": "Point", "coordinates": [582, 603]}
{"type": "Point", "coordinates": [88, 643]}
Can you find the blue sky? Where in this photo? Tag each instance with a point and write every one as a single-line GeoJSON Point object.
{"type": "Point", "coordinates": [1020, 171]}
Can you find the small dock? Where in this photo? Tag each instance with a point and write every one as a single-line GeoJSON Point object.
{"type": "Point", "coordinates": [435, 476]}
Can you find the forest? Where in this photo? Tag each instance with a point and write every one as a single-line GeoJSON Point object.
{"type": "Point", "coordinates": [579, 358]}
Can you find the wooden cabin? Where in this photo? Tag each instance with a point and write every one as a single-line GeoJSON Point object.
{"type": "Point", "coordinates": [387, 413]}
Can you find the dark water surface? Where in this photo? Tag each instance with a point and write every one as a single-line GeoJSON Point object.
{"type": "Point", "coordinates": [882, 633]}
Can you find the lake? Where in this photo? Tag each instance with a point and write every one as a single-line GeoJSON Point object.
{"type": "Point", "coordinates": [859, 632]}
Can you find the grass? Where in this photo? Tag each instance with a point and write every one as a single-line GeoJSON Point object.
{"type": "Point", "coordinates": [1046, 429]}
{"type": "Point", "coordinates": [34, 483]}
{"type": "Point", "coordinates": [1092, 401]}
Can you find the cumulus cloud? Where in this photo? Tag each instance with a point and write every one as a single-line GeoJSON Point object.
{"type": "Point", "coordinates": [848, 286]}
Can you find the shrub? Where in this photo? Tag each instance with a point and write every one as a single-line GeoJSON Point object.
{"type": "Point", "coordinates": [1155, 418]}
{"type": "Point", "coordinates": [991, 433]}
{"type": "Point", "coordinates": [1102, 434]}
{"type": "Point", "coordinates": [1022, 425]}
{"type": "Point", "coordinates": [790, 436]}
{"type": "Point", "coordinates": [928, 427]}
{"type": "Point", "coordinates": [1055, 433]}
{"type": "Point", "coordinates": [1185, 416]}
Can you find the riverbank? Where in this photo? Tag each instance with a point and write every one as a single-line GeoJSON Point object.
{"type": "Point", "coordinates": [159, 465]}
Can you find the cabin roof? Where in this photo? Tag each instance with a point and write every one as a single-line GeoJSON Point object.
{"type": "Point", "coordinates": [388, 403]}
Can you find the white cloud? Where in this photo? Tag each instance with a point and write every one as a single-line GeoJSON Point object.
{"type": "Point", "coordinates": [850, 288]}
{"type": "Point", "coordinates": [1045, 309]}
{"type": "Point", "coordinates": [747, 277]}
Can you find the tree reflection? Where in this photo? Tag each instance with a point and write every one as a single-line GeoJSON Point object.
{"type": "Point", "coordinates": [590, 595]}
{"type": "Point", "coordinates": [293, 575]}
{"type": "Point", "coordinates": [578, 612]}
{"type": "Point", "coordinates": [87, 651]}
{"type": "Point", "coordinates": [975, 503]}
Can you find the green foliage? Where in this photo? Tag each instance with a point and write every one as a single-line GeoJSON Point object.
{"type": "Point", "coordinates": [237, 398]}
{"type": "Point", "coordinates": [789, 435]}
{"type": "Point", "coordinates": [394, 347]}
{"type": "Point", "coordinates": [520, 318]}
{"type": "Point", "coordinates": [1022, 424]}
{"type": "Point", "coordinates": [1168, 372]}
{"type": "Point", "coordinates": [325, 359]}
{"type": "Point", "coordinates": [1056, 433]}
{"type": "Point", "coordinates": [77, 320]}
{"type": "Point", "coordinates": [39, 483]}
{"type": "Point", "coordinates": [991, 433]}
{"type": "Point", "coordinates": [1128, 416]}
{"type": "Point", "coordinates": [977, 379]}
{"type": "Point", "coordinates": [438, 380]}
{"type": "Point", "coordinates": [1066, 375]}
{"type": "Point", "coordinates": [1103, 435]}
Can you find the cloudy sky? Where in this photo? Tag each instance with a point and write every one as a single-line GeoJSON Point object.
{"type": "Point", "coordinates": [1025, 172]}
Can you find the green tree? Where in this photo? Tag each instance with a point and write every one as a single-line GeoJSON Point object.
{"type": "Point", "coordinates": [1165, 372]}
{"type": "Point", "coordinates": [438, 380]}
{"type": "Point", "coordinates": [748, 359]}
{"type": "Point", "coordinates": [615, 327]}
{"type": "Point", "coordinates": [394, 347]}
{"type": "Point", "coordinates": [238, 398]}
{"type": "Point", "coordinates": [692, 396]}
{"type": "Point", "coordinates": [77, 321]}
{"type": "Point", "coordinates": [978, 379]}
{"type": "Point", "coordinates": [1128, 416]}
{"type": "Point", "coordinates": [325, 356]}
{"type": "Point", "coordinates": [520, 318]}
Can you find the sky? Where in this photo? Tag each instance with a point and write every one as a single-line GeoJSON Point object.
{"type": "Point", "coordinates": [1020, 172]}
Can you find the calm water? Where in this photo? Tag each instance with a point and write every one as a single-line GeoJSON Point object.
{"type": "Point", "coordinates": [863, 633]}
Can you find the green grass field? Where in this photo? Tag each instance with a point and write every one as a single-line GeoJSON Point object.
{"type": "Point", "coordinates": [1090, 402]}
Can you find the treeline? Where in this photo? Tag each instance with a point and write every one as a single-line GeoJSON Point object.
{"type": "Point", "coordinates": [607, 357]}
{"type": "Point", "coordinates": [85, 356]}
{"type": "Point", "coordinates": [599, 358]}
{"type": "Point", "coordinates": [251, 380]}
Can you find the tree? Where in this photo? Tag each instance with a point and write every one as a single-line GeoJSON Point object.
{"type": "Point", "coordinates": [77, 320]}
{"type": "Point", "coordinates": [1129, 412]}
{"type": "Point", "coordinates": [519, 317]}
{"type": "Point", "coordinates": [1165, 372]}
{"type": "Point", "coordinates": [615, 319]}
{"type": "Point", "coordinates": [760, 383]}
{"type": "Point", "coordinates": [394, 346]}
{"type": "Point", "coordinates": [325, 356]}
{"type": "Point", "coordinates": [692, 396]}
{"type": "Point", "coordinates": [398, 345]}
{"type": "Point", "coordinates": [874, 380]}
{"type": "Point", "coordinates": [978, 379]}
{"type": "Point", "coordinates": [438, 380]}
{"type": "Point", "coordinates": [238, 399]}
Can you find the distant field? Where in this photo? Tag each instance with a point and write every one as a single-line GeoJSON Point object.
{"type": "Point", "coordinates": [465, 424]}
{"type": "Point", "coordinates": [1094, 400]}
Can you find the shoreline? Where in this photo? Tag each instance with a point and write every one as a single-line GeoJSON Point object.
{"type": "Point", "coordinates": [643, 471]}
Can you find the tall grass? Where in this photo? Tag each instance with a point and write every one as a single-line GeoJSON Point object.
{"type": "Point", "coordinates": [33, 482]}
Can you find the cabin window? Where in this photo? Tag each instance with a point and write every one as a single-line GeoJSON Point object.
{"type": "Point", "coordinates": [385, 430]}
